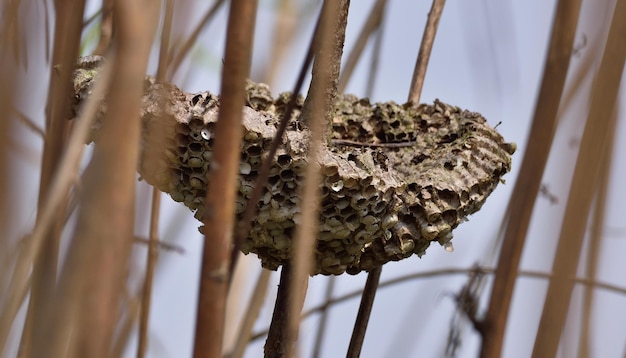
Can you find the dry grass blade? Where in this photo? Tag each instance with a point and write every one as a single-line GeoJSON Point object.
{"type": "Point", "coordinates": [285, 30]}
{"type": "Point", "coordinates": [146, 297]}
{"type": "Point", "coordinates": [441, 273]}
{"type": "Point", "coordinates": [586, 177]}
{"type": "Point", "coordinates": [86, 303]}
{"type": "Point", "coordinates": [365, 309]}
{"type": "Point", "coordinates": [254, 307]}
{"type": "Point", "coordinates": [371, 25]}
{"type": "Point", "coordinates": [106, 28]}
{"type": "Point", "coordinates": [531, 172]}
{"type": "Point", "coordinates": [424, 52]}
{"type": "Point", "coordinates": [68, 27]}
{"type": "Point", "coordinates": [220, 200]}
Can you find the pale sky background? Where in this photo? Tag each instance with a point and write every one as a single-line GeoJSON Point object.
{"type": "Point", "coordinates": [488, 57]}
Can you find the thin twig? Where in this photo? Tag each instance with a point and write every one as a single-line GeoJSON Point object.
{"type": "Point", "coordinates": [354, 143]}
{"type": "Point", "coordinates": [374, 64]}
{"type": "Point", "coordinates": [445, 272]}
{"type": "Point", "coordinates": [531, 172]}
{"type": "Point", "coordinates": [152, 254]}
{"type": "Point", "coordinates": [175, 61]}
{"type": "Point", "coordinates": [220, 199]}
{"type": "Point", "coordinates": [428, 38]}
{"type": "Point", "coordinates": [369, 27]}
{"type": "Point", "coordinates": [251, 314]}
{"type": "Point", "coordinates": [146, 297]}
{"type": "Point", "coordinates": [106, 28]}
{"type": "Point", "coordinates": [259, 184]}
{"type": "Point", "coordinates": [365, 310]}
{"type": "Point", "coordinates": [318, 108]}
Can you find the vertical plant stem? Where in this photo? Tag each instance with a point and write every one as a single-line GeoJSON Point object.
{"type": "Point", "coordinates": [106, 28]}
{"type": "Point", "coordinates": [68, 27]}
{"type": "Point", "coordinates": [371, 25]}
{"type": "Point", "coordinates": [220, 200]}
{"type": "Point", "coordinates": [533, 165]}
{"type": "Point", "coordinates": [321, 104]}
{"type": "Point", "coordinates": [586, 174]}
{"type": "Point", "coordinates": [363, 317]}
{"type": "Point", "coordinates": [318, 107]}
{"type": "Point", "coordinates": [428, 38]}
{"type": "Point", "coordinates": [146, 297]}
{"type": "Point", "coordinates": [153, 235]}
{"type": "Point", "coordinates": [254, 307]}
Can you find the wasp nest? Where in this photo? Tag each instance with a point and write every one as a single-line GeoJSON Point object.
{"type": "Point", "coordinates": [396, 177]}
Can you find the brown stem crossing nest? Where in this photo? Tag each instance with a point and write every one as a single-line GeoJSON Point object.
{"type": "Point", "coordinates": [396, 177]}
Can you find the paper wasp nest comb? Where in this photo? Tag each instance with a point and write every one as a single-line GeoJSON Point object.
{"type": "Point", "coordinates": [419, 172]}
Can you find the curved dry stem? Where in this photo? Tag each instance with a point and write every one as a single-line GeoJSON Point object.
{"type": "Point", "coordinates": [424, 52]}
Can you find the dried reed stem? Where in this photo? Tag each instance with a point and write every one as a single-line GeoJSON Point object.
{"type": "Point", "coordinates": [252, 313]}
{"type": "Point", "coordinates": [365, 310]}
{"type": "Point", "coordinates": [220, 200]}
{"type": "Point", "coordinates": [531, 172]}
{"type": "Point", "coordinates": [586, 177]}
{"type": "Point", "coordinates": [176, 60]}
{"type": "Point", "coordinates": [428, 38]}
{"type": "Point", "coordinates": [447, 272]}
{"type": "Point", "coordinates": [369, 27]}
{"type": "Point", "coordinates": [155, 208]}
{"type": "Point", "coordinates": [106, 29]}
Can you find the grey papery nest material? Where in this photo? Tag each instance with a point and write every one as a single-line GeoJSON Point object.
{"type": "Point", "coordinates": [396, 177]}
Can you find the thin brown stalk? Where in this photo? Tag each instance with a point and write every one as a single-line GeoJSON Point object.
{"type": "Point", "coordinates": [369, 27]}
{"type": "Point", "coordinates": [176, 60]}
{"type": "Point", "coordinates": [146, 297]}
{"type": "Point", "coordinates": [586, 178]}
{"type": "Point", "coordinates": [428, 38]}
{"type": "Point", "coordinates": [531, 171]}
{"type": "Point", "coordinates": [106, 28]}
{"type": "Point", "coordinates": [284, 34]}
{"type": "Point", "coordinates": [317, 109]}
{"type": "Point", "coordinates": [68, 27]}
{"type": "Point", "coordinates": [259, 184]}
{"type": "Point", "coordinates": [321, 325]}
{"type": "Point", "coordinates": [220, 200]}
{"type": "Point", "coordinates": [152, 256]}
{"type": "Point", "coordinates": [252, 313]}
{"type": "Point", "coordinates": [447, 272]}
{"type": "Point", "coordinates": [374, 63]}
{"type": "Point", "coordinates": [86, 303]}
{"type": "Point", "coordinates": [595, 241]}
{"type": "Point", "coordinates": [165, 40]}
{"type": "Point", "coordinates": [27, 122]}
{"type": "Point", "coordinates": [365, 310]}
